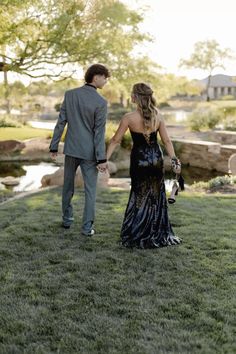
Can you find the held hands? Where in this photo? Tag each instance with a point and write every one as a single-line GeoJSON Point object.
{"type": "Point", "coordinates": [102, 167]}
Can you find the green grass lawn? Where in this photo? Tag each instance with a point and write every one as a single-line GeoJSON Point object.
{"type": "Point", "coordinates": [23, 133]}
{"type": "Point", "coordinates": [64, 293]}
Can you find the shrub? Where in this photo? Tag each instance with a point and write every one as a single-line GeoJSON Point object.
{"type": "Point", "coordinates": [221, 181]}
{"type": "Point", "coordinates": [229, 114]}
{"type": "Point", "coordinates": [202, 119]}
{"type": "Point", "coordinates": [215, 182]}
{"type": "Point", "coordinates": [126, 141]}
{"type": "Point", "coordinates": [227, 98]}
{"type": "Point", "coordinates": [8, 121]}
{"type": "Point", "coordinates": [163, 104]}
{"type": "Point", "coordinates": [111, 128]}
{"type": "Point", "coordinates": [57, 107]}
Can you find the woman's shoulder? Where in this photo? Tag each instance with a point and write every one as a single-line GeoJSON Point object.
{"type": "Point", "coordinates": [128, 116]}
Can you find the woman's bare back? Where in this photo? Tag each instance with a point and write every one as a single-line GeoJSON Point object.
{"type": "Point", "coordinates": [136, 122]}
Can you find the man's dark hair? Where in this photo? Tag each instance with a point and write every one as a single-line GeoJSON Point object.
{"type": "Point", "coordinates": [96, 69]}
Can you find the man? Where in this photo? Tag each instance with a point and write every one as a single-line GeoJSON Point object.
{"type": "Point", "coordinates": [84, 111]}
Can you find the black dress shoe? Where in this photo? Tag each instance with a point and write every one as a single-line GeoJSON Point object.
{"type": "Point", "coordinates": [65, 226]}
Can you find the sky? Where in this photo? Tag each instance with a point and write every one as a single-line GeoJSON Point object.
{"type": "Point", "coordinates": [177, 24]}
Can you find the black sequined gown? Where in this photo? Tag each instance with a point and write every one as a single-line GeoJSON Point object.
{"type": "Point", "coordinates": [146, 223]}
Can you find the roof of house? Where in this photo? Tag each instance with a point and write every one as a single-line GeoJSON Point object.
{"type": "Point", "coordinates": [220, 80]}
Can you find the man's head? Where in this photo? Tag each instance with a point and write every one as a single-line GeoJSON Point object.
{"type": "Point", "coordinates": [97, 75]}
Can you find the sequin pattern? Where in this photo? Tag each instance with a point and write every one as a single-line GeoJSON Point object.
{"type": "Point", "coordinates": [146, 223]}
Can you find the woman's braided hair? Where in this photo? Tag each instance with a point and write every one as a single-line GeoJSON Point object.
{"type": "Point", "coordinates": [146, 105]}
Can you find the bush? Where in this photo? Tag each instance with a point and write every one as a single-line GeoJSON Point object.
{"type": "Point", "coordinates": [215, 182]}
{"type": "Point", "coordinates": [111, 128]}
{"type": "Point", "coordinates": [227, 98]}
{"type": "Point", "coordinates": [57, 107]}
{"type": "Point", "coordinates": [222, 181]}
{"type": "Point", "coordinates": [229, 114]}
{"type": "Point", "coordinates": [163, 105]}
{"type": "Point", "coordinates": [202, 119]}
{"type": "Point", "coordinates": [9, 121]}
{"type": "Point", "coordinates": [116, 105]}
{"type": "Point", "coordinates": [126, 141]}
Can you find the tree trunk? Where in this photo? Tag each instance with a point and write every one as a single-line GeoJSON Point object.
{"type": "Point", "coordinates": [6, 86]}
{"type": "Point", "coordinates": [122, 99]}
{"type": "Point", "coordinates": [208, 85]}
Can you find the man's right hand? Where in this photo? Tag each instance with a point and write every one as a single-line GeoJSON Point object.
{"type": "Point", "coordinates": [53, 155]}
{"type": "Point", "coordinates": [102, 167]}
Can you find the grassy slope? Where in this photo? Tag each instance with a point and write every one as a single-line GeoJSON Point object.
{"type": "Point", "coordinates": [61, 292]}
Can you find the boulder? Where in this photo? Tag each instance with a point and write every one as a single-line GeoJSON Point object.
{"type": "Point", "coordinates": [57, 178]}
{"type": "Point", "coordinates": [11, 146]}
{"type": "Point", "coordinates": [53, 179]}
{"type": "Point", "coordinates": [38, 148]}
{"type": "Point", "coordinates": [123, 164]}
{"type": "Point", "coordinates": [10, 181]}
{"type": "Point", "coordinates": [112, 168]}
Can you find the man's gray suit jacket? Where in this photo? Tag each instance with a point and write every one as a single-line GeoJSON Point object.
{"type": "Point", "coordinates": [84, 111]}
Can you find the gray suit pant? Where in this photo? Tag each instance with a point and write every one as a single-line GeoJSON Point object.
{"type": "Point", "coordinates": [89, 173]}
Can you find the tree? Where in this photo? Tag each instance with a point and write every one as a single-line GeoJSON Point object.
{"type": "Point", "coordinates": [48, 37]}
{"type": "Point", "coordinates": [207, 55]}
{"type": "Point", "coordinates": [51, 38]}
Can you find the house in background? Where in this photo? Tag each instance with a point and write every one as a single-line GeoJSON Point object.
{"type": "Point", "coordinates": [220, 85]}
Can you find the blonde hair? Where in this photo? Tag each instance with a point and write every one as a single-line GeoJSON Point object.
{"type": "Point", "coordinates": [146, 105]}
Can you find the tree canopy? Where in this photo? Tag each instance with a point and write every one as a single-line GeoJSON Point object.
{"type": "Point", "coordinates": [50, 37]}
{"type": "Point", "coordinates": [207, 55]}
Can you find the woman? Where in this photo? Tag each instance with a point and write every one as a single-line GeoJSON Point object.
{"type": "Point", "coordinates": [146, 223]}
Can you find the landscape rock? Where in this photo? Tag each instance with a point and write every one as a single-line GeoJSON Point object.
{"type": "Point", "coordinates": [112, 168]}
{"type": "Point", "coordinates": [10, 146]}
{"type": "Point", "coordinates": [57, 179]}
{"type": "Point", "coordinates": [10, 181]}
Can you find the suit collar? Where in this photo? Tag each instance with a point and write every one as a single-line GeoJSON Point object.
{"type": "Point", "coordinates": [91, 86]}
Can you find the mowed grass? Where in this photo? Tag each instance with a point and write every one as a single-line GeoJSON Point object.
{"type": "Point", "coordinates": [23, 133]}
{"type": "Point", "coordinates": [64, 293]}
{"type": "Point", "coordinates": [27, 132]}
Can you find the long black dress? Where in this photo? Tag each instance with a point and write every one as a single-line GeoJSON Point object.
{"type": "Point", "coordinates": [146, 223]}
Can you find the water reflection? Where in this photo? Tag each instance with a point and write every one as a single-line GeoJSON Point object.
{"type": "Point", "coordinates": [14, 169]}
{"type": "Point", "coordinates": [31, 178]}
{"type": "Point", "coordinates": [31, 174]}
{"type": "Point", "coordinates": [190, 174]}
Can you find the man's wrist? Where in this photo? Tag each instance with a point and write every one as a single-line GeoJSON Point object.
{"type": "Point", "coordinates": [53, 150]}
{"type": "Point", "coordinates": [101, 161]}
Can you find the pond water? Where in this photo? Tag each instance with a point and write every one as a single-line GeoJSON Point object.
{"type": "Point", "coordinates": [30, 175]}
{"type": "Point", "coordinates": [190, 174]}
{"type": "Point", "coordinates": [177, 116]}
{"type": "Point", "coordinates": [42, 124]}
